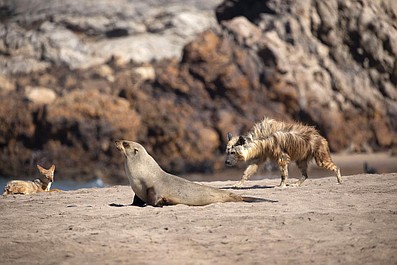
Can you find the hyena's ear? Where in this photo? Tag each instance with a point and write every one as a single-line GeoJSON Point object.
{"type": "Point", "coordinates": [229, 136]}
{"type": "Point", "coordinates": [52, 168]}
{"type": "Point", "coordinates": [241, 141]}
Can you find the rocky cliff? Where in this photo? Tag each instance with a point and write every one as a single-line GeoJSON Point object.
{"type": "Point", "coordinates": [178, 76]}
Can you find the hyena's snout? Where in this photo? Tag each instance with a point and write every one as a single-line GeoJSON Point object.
{"type": "Point", "coordinates": [230, 161]}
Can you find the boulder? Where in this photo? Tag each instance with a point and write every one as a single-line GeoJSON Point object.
{"type": "Point", "coordinates": [40, 95]}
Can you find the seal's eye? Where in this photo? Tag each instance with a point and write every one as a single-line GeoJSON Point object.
{"type": "Point", "coordinates": [126, 145]}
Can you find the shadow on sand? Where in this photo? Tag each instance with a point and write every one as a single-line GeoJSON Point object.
{"type": "Point", "coordinates": [119, 205]}
{"type": "Point", "coordinates": [248, 188]}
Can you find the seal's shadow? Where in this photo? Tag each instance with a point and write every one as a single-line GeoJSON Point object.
{"type": "Point", "coordinates": [249, 188]}
{"type": "Point", "coordinates": [119, 205]}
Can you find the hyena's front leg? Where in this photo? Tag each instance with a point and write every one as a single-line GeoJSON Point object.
{"type": "Point", "coordinates": [283, 161]}
{"type": "Point", "coordinates": [249, 171]}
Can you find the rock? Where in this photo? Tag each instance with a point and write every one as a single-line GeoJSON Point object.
{"type": "Point", "coordinates": [6, 85]}
{"type": "Point", "coordinates": [63, 47]}
{"type": "Point", "coordinates": [105, 71]}
{"type": "Point", "coordinates": [140, 48]}
{"type": "Point", "coordinates": [91, 116]}
{"type": "Point", "coordinates": [75, 132]}
{"type": "Point", "coordinates": [146, 72]}
{"type": "Point", "coordinates": [246, 32]}
{"type": "Point", "coordinates": [80, 35]}
{"type": "Point", "coordinates": [40, 95]}
{"type": "Point", "coordinates": [16, 123]}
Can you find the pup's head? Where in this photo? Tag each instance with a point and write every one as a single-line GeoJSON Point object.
{"type": "Point", "coordinates": [235, 149]}
{"type": "Point", "coordinates": [129, 149]}
{"type": "Point", "coordinates": [46, 175]}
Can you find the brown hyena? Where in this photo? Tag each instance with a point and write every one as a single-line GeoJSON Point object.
{"type": "Point", "coordinates": [283, 142]}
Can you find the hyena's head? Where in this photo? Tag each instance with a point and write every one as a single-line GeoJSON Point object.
{"type": "Point", "coordinates": [46, 175]}
{"type": "Point", "coordinates": [236, 149]}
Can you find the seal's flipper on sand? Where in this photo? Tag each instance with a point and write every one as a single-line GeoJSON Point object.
{"type": "Point", "coordinates": [138, 202]}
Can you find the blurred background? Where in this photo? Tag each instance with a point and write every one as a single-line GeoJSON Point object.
{"type": "Point", "coordinates": [177, 75]}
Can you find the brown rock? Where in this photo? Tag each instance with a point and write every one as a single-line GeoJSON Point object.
{"type": "Point", "coordinates": [6, 85]}
{"type": "Point", "coordinates": [40, 95]}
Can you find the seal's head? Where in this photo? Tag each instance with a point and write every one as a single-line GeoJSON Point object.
{"type": "Point", "coordinates": [129, 149]}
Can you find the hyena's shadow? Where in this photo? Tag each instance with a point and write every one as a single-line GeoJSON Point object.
{"type": "Point", "coordinates": [249, 188]}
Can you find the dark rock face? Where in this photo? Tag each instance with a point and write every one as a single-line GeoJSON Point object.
{"type": "Point", "coordinates": [76, 132]}
{"type": "Point", "coordinates": [327, 63]}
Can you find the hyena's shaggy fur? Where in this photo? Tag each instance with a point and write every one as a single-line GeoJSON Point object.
{"type": "Point", "coordinates": [283, 142]}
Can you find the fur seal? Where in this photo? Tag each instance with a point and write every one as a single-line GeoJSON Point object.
{"type": "Point", "coordinates": [153, 186]}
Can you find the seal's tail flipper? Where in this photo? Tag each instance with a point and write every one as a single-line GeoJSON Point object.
{"type": "Point", "coordinates": [253, 199]}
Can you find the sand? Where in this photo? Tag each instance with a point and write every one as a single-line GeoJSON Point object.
{"type": "Point", "coordinates": [319, 223]}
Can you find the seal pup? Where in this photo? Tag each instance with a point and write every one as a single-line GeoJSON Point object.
{"type": "Point", "coordinates": [153, 186]}
{"type": "Point", "coordinates": [43, 183]}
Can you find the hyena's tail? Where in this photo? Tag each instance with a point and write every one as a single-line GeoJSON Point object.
{"type": "Point", "coordinates": [323, 159]}
{"type": "Point", "coordinates": [254, 199]}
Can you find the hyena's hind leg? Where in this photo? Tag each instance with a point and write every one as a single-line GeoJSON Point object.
{"type": "Point", "coordinates": [323, 159]}
{"type": "Point", "coordinates": [302, 165]}
{"type": "Point", "coordinates": [283, 161]}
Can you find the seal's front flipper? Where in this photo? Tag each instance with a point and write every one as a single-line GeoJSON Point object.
{"type": "Point", "coordinates": [156, 200]}
{"type": "Point", "coordinates": [153, 199]}
{"type": "Point", "coordinates": [253, 199]}
{"type": "Point", "coordinates": [138, 202]}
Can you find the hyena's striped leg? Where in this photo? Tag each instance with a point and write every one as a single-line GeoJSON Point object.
{"type": "Point", "coordinates": [283, 162]}
{"type": "Point", "coordinates": [302, 165]}
{"type": "Point", "coordinates": [249, 171]}
{"type": "Point", "coordinates": [324, 160]}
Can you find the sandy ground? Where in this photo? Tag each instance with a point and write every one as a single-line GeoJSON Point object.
{"type": "Point", "coordinates": [319, 223]}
